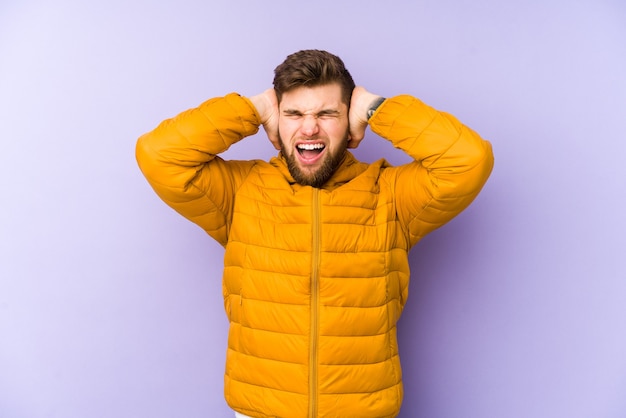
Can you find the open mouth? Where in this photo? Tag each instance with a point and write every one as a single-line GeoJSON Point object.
{"type": "Point", "coordinates": [310, 152]}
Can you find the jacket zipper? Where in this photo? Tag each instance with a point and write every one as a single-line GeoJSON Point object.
{"type": "Point", "coordinates": [315, 260]}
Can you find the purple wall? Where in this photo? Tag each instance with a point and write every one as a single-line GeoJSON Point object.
{"type": "Point", "coordinates": [110, 303]}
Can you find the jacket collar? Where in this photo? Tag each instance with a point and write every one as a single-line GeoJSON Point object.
{"type": "Point", "coordinates": [348, 169]}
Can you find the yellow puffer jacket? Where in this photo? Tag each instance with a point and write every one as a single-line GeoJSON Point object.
{"type": "Point", "coordinates": [315, 279]}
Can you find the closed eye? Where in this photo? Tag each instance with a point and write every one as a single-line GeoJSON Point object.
{"type": "Point", "coordinates": [293, 114]}
{"type": "Point", "coordinates": [324, 114]}
{"type": "Point", "coordinates": [328, 114]}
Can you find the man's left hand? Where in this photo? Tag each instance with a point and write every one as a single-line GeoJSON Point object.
{"type": "Point", "coordinates": [360, 103]}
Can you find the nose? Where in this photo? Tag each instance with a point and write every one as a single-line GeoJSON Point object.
{"type": "Point", "coordinates": [309, 125]}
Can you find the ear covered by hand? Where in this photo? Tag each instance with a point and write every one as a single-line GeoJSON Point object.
{"type": "Point", "coordinates": [361, 102]}
{"type": "Point", "coordinates": [266, 104]}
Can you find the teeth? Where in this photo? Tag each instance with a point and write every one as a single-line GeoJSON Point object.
{"type": "Point", "coordinates": [310, 147]}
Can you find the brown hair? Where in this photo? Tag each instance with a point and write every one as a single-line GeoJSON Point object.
{"type": "Point", "coordinates": [311, 68]}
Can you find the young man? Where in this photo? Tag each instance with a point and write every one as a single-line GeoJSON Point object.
{"type": "Point", "coordinates": [316, 268]}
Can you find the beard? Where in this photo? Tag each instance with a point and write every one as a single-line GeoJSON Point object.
{"type": "Point", "coordinates": [323, 173]}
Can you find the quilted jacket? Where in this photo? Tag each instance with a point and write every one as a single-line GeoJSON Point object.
{"type": "Point", "coordinates": [315, 279]}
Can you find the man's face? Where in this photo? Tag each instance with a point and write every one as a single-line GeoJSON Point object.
{"type": "Point", "coordinates": [313, 129]}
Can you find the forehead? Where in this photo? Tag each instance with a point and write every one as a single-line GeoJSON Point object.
{"type": "Point", "coordinates": [310, 99]}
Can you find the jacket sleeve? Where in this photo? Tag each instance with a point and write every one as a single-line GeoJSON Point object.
{"type": "Point", "coordinates": [451, 163]}
{"type": "Point", "coordinates": [179, 160]}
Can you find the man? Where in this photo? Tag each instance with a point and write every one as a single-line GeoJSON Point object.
{"type": "Point", "coordinates": [316, 270]}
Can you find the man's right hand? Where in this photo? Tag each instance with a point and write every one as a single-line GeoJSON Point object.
{"type": "Point", "coordinates": [266, 105]}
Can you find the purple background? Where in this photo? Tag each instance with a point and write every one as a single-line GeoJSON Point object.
{"type": "Point", "coordinates": [110, 303]}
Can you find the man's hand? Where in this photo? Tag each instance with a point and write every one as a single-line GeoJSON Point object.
{"type": "Point", "coordinates": [362, 100]}
{"type": "Point", "coordinates": [266, 105]}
